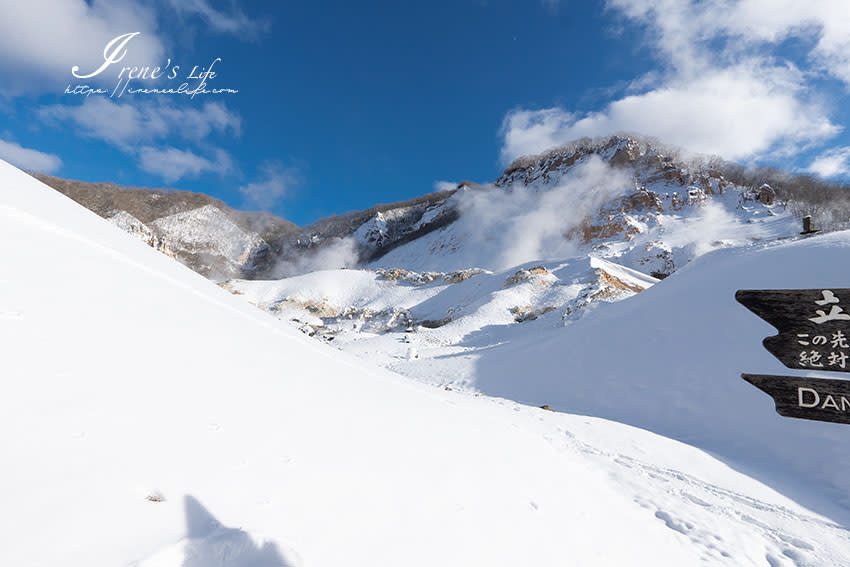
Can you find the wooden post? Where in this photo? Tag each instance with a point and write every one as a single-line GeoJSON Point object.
{"type": "Point", "coordinates": [808, 225]}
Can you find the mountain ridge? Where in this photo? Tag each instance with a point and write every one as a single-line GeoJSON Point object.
{"type": "Point", "coordinates": [665, 180]}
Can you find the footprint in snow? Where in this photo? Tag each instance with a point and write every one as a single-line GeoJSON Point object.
{"type": "Point", "coordinates": [674, 524]}
{"type": "Point", "coordinates": [796, 542]}
{"type": "Point", "coordinates": [697, 501]}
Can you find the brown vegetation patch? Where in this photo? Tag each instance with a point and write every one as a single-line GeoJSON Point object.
{"type": "Point", "coordinates": [525, 275]}
{"type": "Point", "coordinates": [617, 283]}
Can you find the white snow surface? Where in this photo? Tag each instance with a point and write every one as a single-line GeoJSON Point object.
{"type": "Point", "coordinates": [669, 360]}
{"type": "Point", "coordinates": [151, 419]}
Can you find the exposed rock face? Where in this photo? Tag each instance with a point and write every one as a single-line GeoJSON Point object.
{"type": "Point", "coordinates": [202, 232]}
{"type": "Point", "coordinates": [318, 307]}
{"type": "Point", "coordinates": [610, 283]}
{"type": "Point", "coordinates": [127, 222]}
{"type": "Point", "coordinates": [528, 313]}
{"type": "Point", "coordinates": [666, 186]}
{"type": "Point", "coordinates": [539, 275]}
{"type": "Point", "coordinates": [221, 242]}
{"type": "Point", "coordinates": [415, 278]}
{"type": "Point", "coordinates": [209, 242]}
{"type": "Point", "coordinates": [392, 227]}
{"type": "Point", "coordinates": [461, 275]}
{"type": "Point", "coordinates": [617, 283]}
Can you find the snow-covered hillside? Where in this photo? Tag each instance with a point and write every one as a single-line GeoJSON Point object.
{"type": "Point", "coordinates": [620, 200]}
{"type": "Point", "coordinates": [553, 329]}
{"type": "Point", "coordinates": [668, 359]}
{"type": "Point", "coordinates": [152, 419]}
{"type": "Point", "coordinates": [393, 315]}
{"type": "Point", "coordinates": [555, 239]}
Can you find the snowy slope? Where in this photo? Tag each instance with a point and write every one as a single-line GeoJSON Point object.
{"type": "Point", "coordinates": [369, 312]}
{"type": "Point", "coordinates": [670, 360]}
{"type": "Point", "coordinates": [149, 418]}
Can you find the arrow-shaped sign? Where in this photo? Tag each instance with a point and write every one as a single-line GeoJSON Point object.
{"type": "Point", "coordinates": [814, 328]}
{"type": "Point", "coordinates": [806, 398]}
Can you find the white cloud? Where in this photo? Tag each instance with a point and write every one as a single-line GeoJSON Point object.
{"type": "Point", "coordinates": [276, 183]}
{"type": "Point", "coordinates": [832, 163]}
{"type": "Point", "coordinates": [733, 112]}
{"type": "Point", "coordinates": [40, 40]}
{"type": "Point", "coordinates": [722, 89]}
{"type": "Point", "coordinates": [444, 185]}
{"type": "Point", "coordinates": [29, 159]}
{"type": "Point", "coordinates": [234, 22]}
{"type": "Point", "coordinates": [334, 254]}
{"type": "Point", "coordinates": [173, 164]}
{"type": "Point", "coordinates": [508, 228]}
{"type": "Point", "coordinates": [101, 118]}
{"type": "Point", "coordinates": [684, 28]}
{"type": "Point", "coordinates": [127, 123]}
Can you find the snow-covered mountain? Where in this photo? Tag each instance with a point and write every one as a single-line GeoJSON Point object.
{"type": "Point", "coordinates": [618, 198]}
{"type": "Point", "coordinates": [622, 198]}
{"type": "Point", "coordinates": [553, 238]}
{"type": "Point", "coordinates": [556, 236]}
{"type": "Point", "coordinates": [521, 296]}
{"type": "Point", "coordinates": [153, 419]}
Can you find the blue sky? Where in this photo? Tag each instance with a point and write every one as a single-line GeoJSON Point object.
{"type": "Point", "coordinates": [342, 105]}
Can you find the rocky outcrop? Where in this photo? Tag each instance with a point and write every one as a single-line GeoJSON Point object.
{"type": "Point", "coordinates": [416, 278]}
{"type": "Point", "coordinates": [211, 243]}
{"type": "Point", "coordinates": [539, 275]}
{"type": "Point", "coordinates": [613, 281]}
{"type": "Point", "coordinates": [390, 228]}
{"type": "Point", "coordinates": [666, 185]}
{"type": "Point", "coordinates": [202, 232]}
{"type": "Point", "coordinates": [127, 222]}
{"type": "Point", "coordinates": [528, 313]}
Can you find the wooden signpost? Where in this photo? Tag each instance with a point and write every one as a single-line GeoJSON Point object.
{"type": "Point", "coordinates": [806, 398]}
{"type": "Point", "coordinates": [814, 334]}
